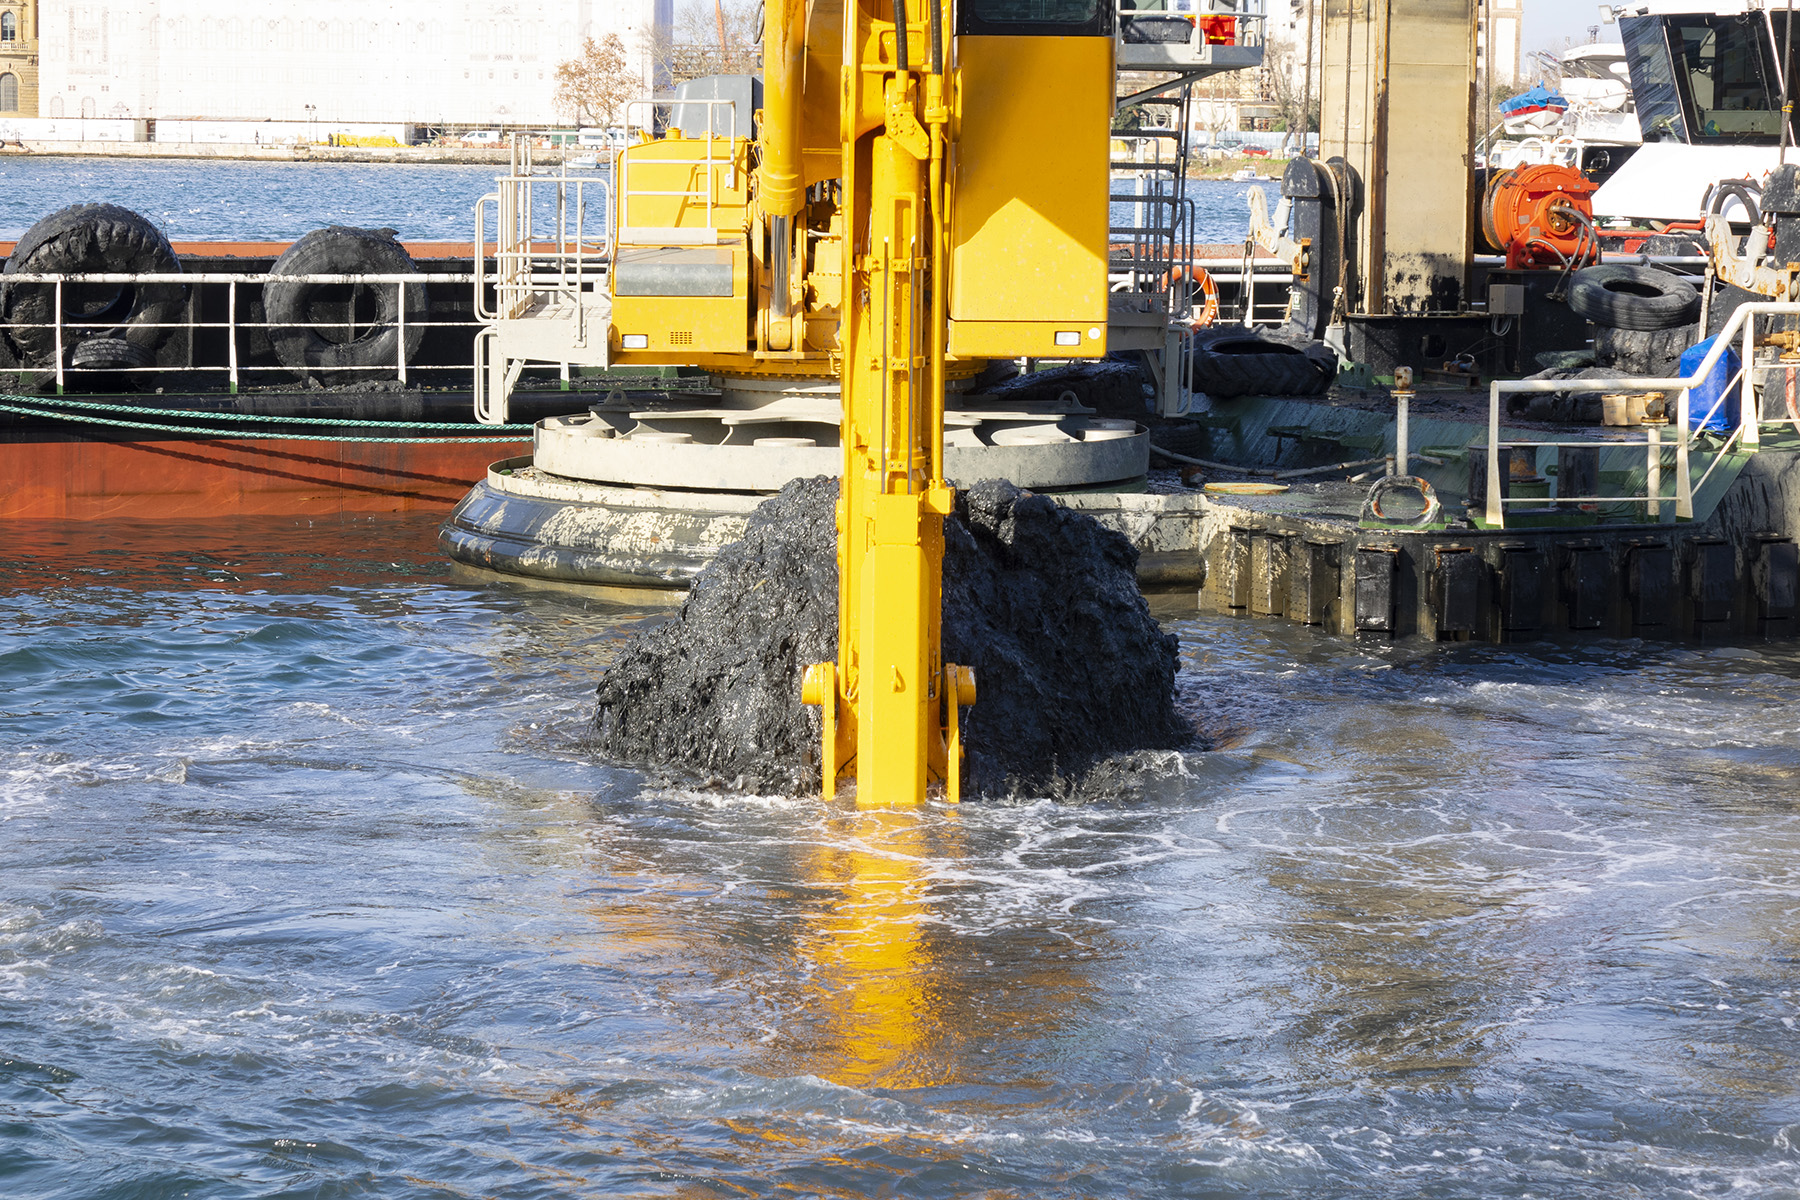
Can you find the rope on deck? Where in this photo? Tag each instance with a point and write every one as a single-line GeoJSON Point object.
{"type": "Point", "coordinates": [50, 408]}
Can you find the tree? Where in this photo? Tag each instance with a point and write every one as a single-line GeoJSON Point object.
{"type": "Point", "coordinates": [1284, 65]}
{"type": "Point", "coordinates": [593, 87]}
{"type": "Point", "coordinates": [716, 37]}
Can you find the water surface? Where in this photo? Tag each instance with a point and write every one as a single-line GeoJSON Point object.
{"type": "Point", "coordinates": [225, 200]}
{"type": "Point", "coordinates": [308, 889]}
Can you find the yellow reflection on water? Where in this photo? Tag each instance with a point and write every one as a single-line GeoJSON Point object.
{"type": "Point", "coordinates": [871, 963]}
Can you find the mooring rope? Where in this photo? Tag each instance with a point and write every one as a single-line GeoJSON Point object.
{"type": "Point", "coordinates": [48, 407]}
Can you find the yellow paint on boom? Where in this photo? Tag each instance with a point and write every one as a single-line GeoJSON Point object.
{"type": "Point", "coordinates": [939, 230]}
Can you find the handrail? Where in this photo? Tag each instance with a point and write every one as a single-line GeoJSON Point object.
{"type": "Point", "coordinates": [1747, 434]}
{"type": "Point", "coordinates": [623, 162]}
{"type": "Point", "coordinates": [1251, 15]}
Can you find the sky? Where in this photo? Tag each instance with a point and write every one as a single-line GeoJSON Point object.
{"type": "Point", "coordinates": [1548, 22]}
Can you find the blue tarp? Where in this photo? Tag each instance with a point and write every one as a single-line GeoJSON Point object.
{"type": "Point", "coordinates": [1538, 97]}
{"type": "Point", "coordinates": [1721, 380]}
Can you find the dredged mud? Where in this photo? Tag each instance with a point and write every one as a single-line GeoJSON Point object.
{"type": "Point", "coordinates": [1041, 601]}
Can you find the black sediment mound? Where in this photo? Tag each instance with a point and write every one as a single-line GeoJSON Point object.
{"type": "Point", "coordinates": [1041, 601]}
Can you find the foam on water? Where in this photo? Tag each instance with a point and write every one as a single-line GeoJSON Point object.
{"type": "Point", "coordinates": [307, 887]}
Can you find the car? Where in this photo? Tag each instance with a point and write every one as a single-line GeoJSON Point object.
{"type": "Point", "coordinates": [1256, 152]}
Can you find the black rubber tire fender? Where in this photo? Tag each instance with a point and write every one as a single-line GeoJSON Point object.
{"type": "Point", "coordinates": [90, 239]}
{"type": "Point", "coordinates": [109, 354]}
{"type": "Point", "coordinates": [300, 341]}
{"type": "Point", "coordinates": [1641, 298]}
{"type": "Point", "coordinates": [1247, 365]}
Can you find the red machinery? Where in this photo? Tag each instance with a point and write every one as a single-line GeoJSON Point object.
{"type": "Point", "coordinates": [1541, 216]}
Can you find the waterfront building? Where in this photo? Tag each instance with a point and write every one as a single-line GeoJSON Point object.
{"type": "Point", "coordinates": [18, 58]}
{"type": "Point", "coordinates": [484, 63]}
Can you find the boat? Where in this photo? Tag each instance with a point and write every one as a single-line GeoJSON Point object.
{"type": "Point", "coordinates": [583, 162]}
{"type": "Point", "coordinates": [1707, 104]}
{"type": "Point", "coordinates": [1533, 111]}
{"type": "Point", "coordinates": [1596, 131]}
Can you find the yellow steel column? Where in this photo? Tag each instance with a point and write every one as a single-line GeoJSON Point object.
{"type": "Point", "coordinates": [889, 725]}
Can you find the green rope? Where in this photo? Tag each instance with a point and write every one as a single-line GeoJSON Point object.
{"type": "Point", "coordinates": [63, 401]}
{"type": "Point", "coordinates": [246, 433]}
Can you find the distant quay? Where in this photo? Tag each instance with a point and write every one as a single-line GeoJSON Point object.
{"type": "Point", "coordinates": [268, 153]}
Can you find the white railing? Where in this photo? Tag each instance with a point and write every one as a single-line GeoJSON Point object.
{"type": "Point", "coordinates": [564, 261]}
{"type": "Point", "coordinates": [720, 157]}
{"type": "Point", "coordinates": [68, 332]}
{"type": "Point", "coordinates": [1150, 250]}
{"type": "Point", "coordinates": [1741, 329]}
{"type": "Point", "coordinates": [1205, 18]}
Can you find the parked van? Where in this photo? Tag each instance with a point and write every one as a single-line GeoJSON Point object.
{"type": "Point", "coordinates": [611, 138]}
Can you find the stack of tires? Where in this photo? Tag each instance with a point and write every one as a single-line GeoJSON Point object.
{"type": "Point", "coordinates": [1643, 317]}
{"type": "Point", "coordinates": [104, 327]}
{"type": "Point", "coordinates": [345, 334]}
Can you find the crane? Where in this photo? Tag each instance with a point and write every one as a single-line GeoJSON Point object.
{"type": "Point", "coordinates": [925, 190]}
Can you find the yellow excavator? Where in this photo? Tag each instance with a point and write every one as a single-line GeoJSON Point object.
{"type": "Point", "coordinates": [924, 189]}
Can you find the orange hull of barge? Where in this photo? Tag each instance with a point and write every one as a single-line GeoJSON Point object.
{"type": "Point", "coordinates": [69, 477]}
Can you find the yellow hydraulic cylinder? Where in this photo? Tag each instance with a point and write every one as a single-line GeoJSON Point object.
{"type": "Point", "coordinates": [781, 183]}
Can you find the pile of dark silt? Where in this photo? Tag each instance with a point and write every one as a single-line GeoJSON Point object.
{"type": "Point", "coordinates": [1041, 601]}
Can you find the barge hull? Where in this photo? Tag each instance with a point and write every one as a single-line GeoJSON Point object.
{"type": "Point", "coordinates": [68, 476]}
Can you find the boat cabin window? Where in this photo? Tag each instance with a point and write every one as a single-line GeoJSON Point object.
{"type": "Point", "coordinates": [1036, 18]}
{"type": "Point", "coordinates": [1730, 80]}
{"type": "Point", "coordinates": [1652, 70]}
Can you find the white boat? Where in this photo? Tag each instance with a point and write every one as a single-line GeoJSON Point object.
{"type": "Point", "coordinates": [1244, 174]}
{"type": "Point", "coordinates": [583, 162]}
{"type": "Point", "coordinates": [1596, 128]}
{"type": "Point", "coordinates": [1707, 100]}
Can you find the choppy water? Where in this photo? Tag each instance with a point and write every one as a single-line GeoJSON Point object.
{"type": "Point", "coordinates": [306, 889]}
{"type": "Point", "coordinates": [221, 200]}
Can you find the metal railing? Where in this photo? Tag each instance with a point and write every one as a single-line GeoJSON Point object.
{"type": "Point", "coordinates": [1160, 23]}
{"type": "Point", "coordinates": [1746, 436]}
{"type": "Point", "coordinates": [1151, 251]}
{"type": "Point", "coordinates": [625, 164]}
{"type": "Point", "coordinates": [563, 262]}
{"type": "Point", "coordinates": [68, 332]}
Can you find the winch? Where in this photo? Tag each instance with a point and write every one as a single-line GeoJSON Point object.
{"type": "Point", "coordinates": [1541, 215]}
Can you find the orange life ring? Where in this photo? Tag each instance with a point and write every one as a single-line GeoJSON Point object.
{"type": "Point", "coordinates": [1209, 312]}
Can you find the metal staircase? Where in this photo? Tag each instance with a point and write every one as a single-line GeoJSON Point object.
{"type": "Point", "coordinates": [546, 300]}
{"type": "Point", "coordinates": [1163, 48]}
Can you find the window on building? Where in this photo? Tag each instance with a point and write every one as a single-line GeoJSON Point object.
{"type": "Point", "coordinates": [88, 107]}
{"type": "Point", "coordinates": [9, 27]}
{"type": "Point", "coordinates": [9, 92]}
{"type": "Point", "coordinates": [56, 108]}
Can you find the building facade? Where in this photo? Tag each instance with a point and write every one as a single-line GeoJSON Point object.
{"type": "Point", "coordinates": [1502, 24]}
{"type": "Point", "coordinates": [18, 58]}
{"type": "Point", "coordinates": [422, 62]}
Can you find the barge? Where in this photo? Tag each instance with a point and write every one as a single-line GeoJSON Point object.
{"type": "Point", "coordinates": [199, 379]}
{"type": "Point", "coordinates": [1439, 424]}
